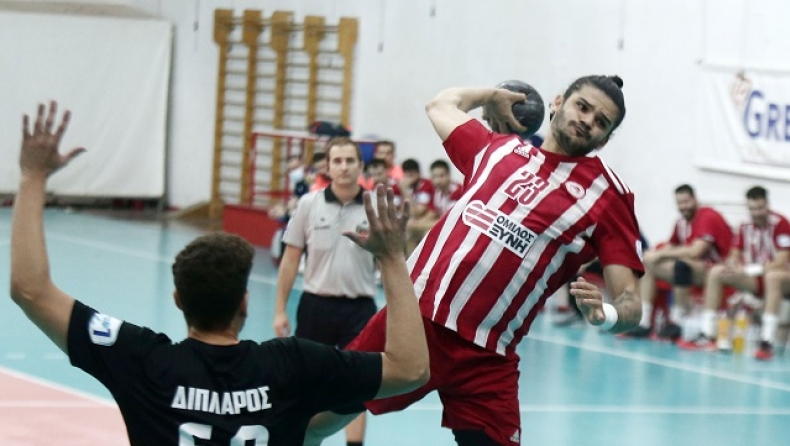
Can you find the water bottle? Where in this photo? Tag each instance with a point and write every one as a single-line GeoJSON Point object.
{"type": "Point", "coordinates": [723, 342]}
{"type": "Point", "coordinates": [739, 335]}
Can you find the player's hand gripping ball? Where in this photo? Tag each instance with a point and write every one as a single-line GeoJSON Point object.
{"type": "Point", "coordinates": [529, 113]}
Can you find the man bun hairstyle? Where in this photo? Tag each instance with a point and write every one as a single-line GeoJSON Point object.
{"type": "Point", "coordinates": [611, 86]}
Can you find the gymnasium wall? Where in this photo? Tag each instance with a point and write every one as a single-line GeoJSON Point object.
{"type": "Point", "coordinates": [113, 73]}
{"type": "Point", "coordinates": [409, 50]}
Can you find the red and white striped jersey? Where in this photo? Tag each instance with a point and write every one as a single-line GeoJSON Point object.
{"type": "Point", "coordinates": [709, 225]}
{"type": "Point", "coordinates": [528, 219]}
{"type": "Point", "coordinates": [421, 193]}
{"type": "Point", "coordinates": [444, 200]}
{"type": "Point", "coordinates": [759, 244]}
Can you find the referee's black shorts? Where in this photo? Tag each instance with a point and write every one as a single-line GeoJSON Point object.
{"type": "Point", "coordinates": [334, 321]}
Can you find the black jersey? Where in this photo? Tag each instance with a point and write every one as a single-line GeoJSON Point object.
{"type": "Point", "coordinates": [192, 393]}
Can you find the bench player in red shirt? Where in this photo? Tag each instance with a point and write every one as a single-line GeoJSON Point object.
{"type": "Point", "coordinates": [700, 239]}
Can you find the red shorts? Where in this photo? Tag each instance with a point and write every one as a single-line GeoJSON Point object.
{"type": "Point", "coordinates": [478, 387]}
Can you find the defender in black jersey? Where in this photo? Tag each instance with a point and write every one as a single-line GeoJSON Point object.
{"type": "Point", "coordinates": [211, 388]}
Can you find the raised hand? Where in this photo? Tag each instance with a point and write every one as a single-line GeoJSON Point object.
{"type": "Point", "coordinates": [498, 111]}
{"type": "Point", "coordinates": [39, 154]}
{"type": "Point", "coordinates": [387, 237]}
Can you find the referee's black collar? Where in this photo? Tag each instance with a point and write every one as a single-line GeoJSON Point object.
{"type": "Point", "coordinates": [330, 196]}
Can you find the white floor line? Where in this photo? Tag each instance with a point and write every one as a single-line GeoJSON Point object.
{"type": "Point", "coordinates": [668, 363]}
{"type": "Point", "coordinates": [138, 253]}
{"type": "Point", "coordinates": [109, 247]}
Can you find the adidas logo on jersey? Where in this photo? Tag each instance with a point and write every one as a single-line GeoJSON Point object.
{"type": "Point", "coordinates": [516, 437]}
{"type": "Point", "coordinates": [522, 150]}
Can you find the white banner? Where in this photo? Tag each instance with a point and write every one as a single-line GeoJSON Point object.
{"type": "Point", "coordinates": [745, 121]}
{"type": "Point", "coordinates": [113, 74]}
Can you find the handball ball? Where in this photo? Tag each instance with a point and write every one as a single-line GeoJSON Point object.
{"type": "Point", "coordinates": [529, 113]}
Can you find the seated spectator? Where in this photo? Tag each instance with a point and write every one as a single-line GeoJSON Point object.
{"type": "Point", "coordinates": [385, 150]}
{"type": "Point", "coordinates": [296, 174]}
{"type": "Point", "coordinates": [376, 173]}
{"type": "Point", "coordinates": [318, 177]}
{"type": "Point", "coordinates": [446, 191]}
{"type": "Point", "coordinates": [761, 245]}
{"type": "Point", "coordinates": [701, 237]}
{"type": "Point", "coordinates": [419, 191]}
{"type": "Point", "coordinates": [415, 188]}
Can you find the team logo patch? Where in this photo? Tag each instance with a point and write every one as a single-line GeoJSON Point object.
{"type": "Point", "coordinates": [499, 227]}
{"type": "Point", "coordinates": [575, 189]}
{"type": "Point", "coordinates": [103, 329]}
{"type": "Point", "coordinates": [783, 241]}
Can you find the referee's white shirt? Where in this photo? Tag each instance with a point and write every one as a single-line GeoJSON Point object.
{"type": "Point", "coordinates": [335, 265]}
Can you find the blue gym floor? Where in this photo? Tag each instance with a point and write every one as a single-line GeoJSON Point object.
{"type": "Point", "coordinates": [578, 386]}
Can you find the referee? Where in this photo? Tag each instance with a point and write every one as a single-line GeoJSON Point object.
{"type": "Point", "coordinates": [339, 276]}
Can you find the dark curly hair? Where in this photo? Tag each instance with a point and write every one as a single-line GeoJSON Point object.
{"type": "Point", "coordinates": [211, 275]}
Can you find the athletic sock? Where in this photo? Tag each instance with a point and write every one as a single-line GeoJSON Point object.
{"type": "Point", "coordinates": [647, 314]}
{"type": "Point", "coordinates": [709, 327]}
{"type": "Point", "coordinates": [770, 325]}
{"type": "Point", "coordinates": [676, 314]}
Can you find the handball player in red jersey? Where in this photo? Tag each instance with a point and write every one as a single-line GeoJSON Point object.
{"type": "Point", "coordinates": [528, 219]}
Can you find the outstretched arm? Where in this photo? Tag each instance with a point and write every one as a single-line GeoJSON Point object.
{"type": "Point", "coordinates": [31, 285]}
{"type": "Point", "coordinates": [449, 108]}
{"type": "Point", "coordinates": [405, 356]}
{"type": "Point", "coordinates": [625, 310]}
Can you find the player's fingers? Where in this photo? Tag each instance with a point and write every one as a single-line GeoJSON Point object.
{"type": "Point", "coordinates": [515, 96]}
{"type": "Point", "coordinates": [39, 126]}
{"type": "Point", "coordinates": [581, 284]}
{"type": "Point", "coordinates": [25, 126]}
{"type": "Point", "coordinates": [356, 238]}
{"type": "Point", "coordinates": [50, 119]}
{"type": "Point", "coordinates": [73, 153]}
{"type": "Point", "coordinates": [599, 315]}
{"type": "Point", "coordinates": [583, 291]}
{"type": "Point", "coordinates": [64, 124]}
{"type": "Point", "coordinates": [381, 204]}
{"type": "Point", "coordinates": [405, 214]}
{"type": "Point", "coordinates": [392, 208]}
{"type": "Point", "coordinates": [367, 201]}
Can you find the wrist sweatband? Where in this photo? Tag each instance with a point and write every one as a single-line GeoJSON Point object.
{"type": "Point", "coordinates": [611, 316]}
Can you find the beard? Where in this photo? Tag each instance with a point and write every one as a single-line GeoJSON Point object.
{"type": "Point", "coordinates": [564, 132]}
